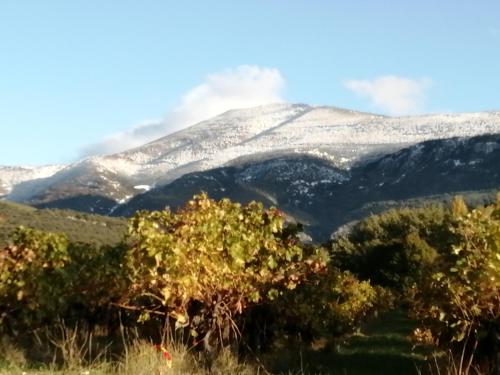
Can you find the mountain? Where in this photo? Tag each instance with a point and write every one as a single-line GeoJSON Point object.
{"type": "Point", "coordinates": [282, 139]}
{"type": "Point", "coordinates": [14, 176]}
{"type": "Point", "coordinates": [325, 197]}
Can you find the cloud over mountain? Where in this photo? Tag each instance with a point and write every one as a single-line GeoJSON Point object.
{"type": "Point", "coordinates": [392, 94]}
{"type": "Point", "coordinates": [241, 87]}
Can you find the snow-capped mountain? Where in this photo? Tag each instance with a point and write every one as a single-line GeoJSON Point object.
{"type": "Point", "coordinates": [342, 138]}
{"type": "Point", "coordinates": [324, 197]}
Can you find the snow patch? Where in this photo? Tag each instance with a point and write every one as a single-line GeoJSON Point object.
{"type": "Point", "coordinates": [125, 199]}
{"type": "Point", "coordinates": [142, 187]}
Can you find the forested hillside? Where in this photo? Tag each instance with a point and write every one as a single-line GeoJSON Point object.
{"type": "Point", "coordinates": [78, 226]}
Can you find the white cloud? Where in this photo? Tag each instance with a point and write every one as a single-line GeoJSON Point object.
{"type": "Point", "coordinates": [242, 87]}
{"type": "Point", "coordinates": [392, 94]}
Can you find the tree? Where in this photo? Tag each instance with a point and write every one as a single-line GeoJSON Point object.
{"type": "Point", "coordinates": [397, 248]}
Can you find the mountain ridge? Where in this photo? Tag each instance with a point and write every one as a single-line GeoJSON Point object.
{"type": "Point", "coordinates": [343, 138]}
{"type": "Point", "coordinates": [324, 197]}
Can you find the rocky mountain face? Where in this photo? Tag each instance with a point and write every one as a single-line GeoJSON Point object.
{"type": "Point", "coordinates": [325, 197]}
{"type": "Point", "coordinates": [320, 164]}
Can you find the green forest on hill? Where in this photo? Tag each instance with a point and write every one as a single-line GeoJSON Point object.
{"type": "Point", "coordinates": [78, 226]}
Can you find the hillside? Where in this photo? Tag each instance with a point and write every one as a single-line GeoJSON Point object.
{"type": "Point", "coordinates": [77, 226]}
{"type": "Point", "coordinates": [325, 197]}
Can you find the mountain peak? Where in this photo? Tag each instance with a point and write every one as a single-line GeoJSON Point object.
{"type": "Point", "coordinates": [339, 136]}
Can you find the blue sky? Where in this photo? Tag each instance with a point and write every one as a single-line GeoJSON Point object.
{"type": "Point", "coordinates": [90, 76]}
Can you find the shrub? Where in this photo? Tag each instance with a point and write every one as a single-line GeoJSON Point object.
{"type": "Point", "coordinates": [207, 264]}
{"type": "Point", "coordinates": [44, 278]}
{"type": "Point", "coordinates": [32, 277]}
{"type": "Point", "coordinates": [462, 300]}
{"type": "Point", "coordinates": [333, 304]}
{"type": "Point", "coordinates": [397, 248]}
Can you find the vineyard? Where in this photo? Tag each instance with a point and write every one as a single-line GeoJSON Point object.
{"type": "Point", "coordinates": [217, 282]}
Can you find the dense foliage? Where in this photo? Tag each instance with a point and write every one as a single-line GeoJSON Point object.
{"type": "Point", "coordinates": [461, 301]}
{"type": "Point", "coordinates": [44, 277]}
{"type": "Point", "coordinates": [209, 268]}
{"type": "Point", "coordinates": [206, 264]}
{"type": "Point", "coordinates": [445, 261]}
{"type": "Point", "coordinates": [397, 248]}
{"type": "Point", "coordinates": [31, 276]}
{"type": "Point", "coordinates": [333, 303]}
{"type": "Point", "coordinates": [221, 271]}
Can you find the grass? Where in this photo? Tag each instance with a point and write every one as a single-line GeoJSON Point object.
{"type": "Point", "coordinates": [382, 347]}
{"type": "Point", "coordinates": [141, 359]}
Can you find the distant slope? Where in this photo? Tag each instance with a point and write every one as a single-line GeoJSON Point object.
{"type": "Point", "coordinates": [12, 176]}
{"type": "Point", "coordinates": [325, 197]}
{"type": "Point", "coordinates": [76, 225]}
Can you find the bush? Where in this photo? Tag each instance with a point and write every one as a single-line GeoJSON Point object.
{"type": "Point", "coordinates": [397, 248]}
{"type": "Point", "coordinates": [32, 277]}
{"type": "Point", "coordinates": [462, 300]}
{"type": "Point", "coordinates": [217, 270]}
{"type": "Point", "coordinates": [207, 264]}
{"type": "Point", "coordinates": [44, 278]}
{"type": "Point", "coordinates": [332, 304]}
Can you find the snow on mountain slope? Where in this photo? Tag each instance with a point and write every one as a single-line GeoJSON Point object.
{"type": "Point", "coordinates": [343, 137]}
{"type": "Point", "coordinates": [324, 197]}
{"type": "Point", "coordinates": [226, 137]}
{"type": "Point", "coordinates": [11, 176]}
{"type": "Point", "coordinates": [349, 137]}
{"type": "Point", "coordinates": [204, 141]}
{"type": "Point", "coordinates": [85, 178]}
{"type": "Point", "coordinates": [115, 176]}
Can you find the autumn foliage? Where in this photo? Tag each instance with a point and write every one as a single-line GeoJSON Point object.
{"type": "Point", "coordinates": [207, 264]}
